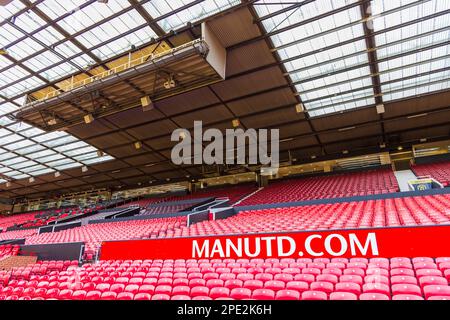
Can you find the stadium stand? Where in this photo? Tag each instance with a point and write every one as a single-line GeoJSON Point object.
{"type": "Point", "coordinates": [8, 250]}
{"type": "Point", "coordinates": [16, 219]}
{"type": "Point", "coordinates": [92, 94]}
{"type": "Point", "coordinates": [398, 278]}
{"type": "Point", "coordinates": [17, 234]}
{"type": "Point", "coordinates": [334, 186]}
{"type": "Point", "coordinates": [426, 210]}
{"type": "Point", "coordinates": [163, 209]}
{"type": "Point", "coordinates": [94, 234]}
{"type": "Point", "coordinates": [439, 171]}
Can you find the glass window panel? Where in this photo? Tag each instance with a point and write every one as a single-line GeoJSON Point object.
{"type": "Point", "coordinates": [29, 21]}
{"type": "Point", "coordinates": [40, 172]}
{"type": "Point", "coordinates": [20, 176]}
{"type": "Point", "coordinates": [43, 153]}
{"type": "Point", "coordinates": [86, 156]}
{"type": "Point", "coordinates": [68, 166]}
{"type": "Point", "coordinates": [50, 158]}
{"type": "Point", "coordinates": [4, 169]}
{"type": "Point", "coordinates": [97, 160]}
{"type": "Point", "coordinates": [6, 155]}
{"type": "Point", "coordinates": [71, 146]}
{"type": "Point", "coordinates": [11, 9]}
{"type": "Point", "coordinates": [79, 151]}
{"type": "Point", "coordinates": [24, 48]}
{"type": "Point", "coordinates": [157, 8]}
{"type": "Point", "coordinates": [31, 132]}
{"type": "Point", "coordinates": [12, 173]}
{"type": "Point", "coordinates": [30, 151]}
{"type": "Point", "coordinates": [20, 144]}
{"type": "Point", "coordinates": [21, 165]}
{"type": "Point", "coordinates": [33, 168]}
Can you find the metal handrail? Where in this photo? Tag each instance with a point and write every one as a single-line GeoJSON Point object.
{"type": "Point", "coordinates": [120, 68]}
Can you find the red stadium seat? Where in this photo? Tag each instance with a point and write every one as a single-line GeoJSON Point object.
{"type": "Point", "coordinates": [263, 294]}
{"type": "Point", "coordinates": [240, 293]}
{"type": "Point", "coordinates": [287, 295]}
{"type": "Point", "coordinates": [314, 295]}
{"type": "Point", "coordinates": [343, 296]}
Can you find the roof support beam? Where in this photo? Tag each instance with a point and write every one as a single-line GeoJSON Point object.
{"type": "Point", "coordinates": [373, 60]}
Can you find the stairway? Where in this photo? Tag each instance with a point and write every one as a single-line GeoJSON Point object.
{"type": "Point", "coordinates": [403, 176]}
{"type": "Point", "coordinates": [16, 261]}
{"type": "Point", "coordinates": [247, 196]}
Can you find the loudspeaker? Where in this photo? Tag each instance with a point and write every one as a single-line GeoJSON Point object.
{"type": "Point", "coordinates": [88, 118]}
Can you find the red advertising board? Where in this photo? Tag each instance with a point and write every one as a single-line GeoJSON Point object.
{"type": "Point", "coordinates": [430, 241]}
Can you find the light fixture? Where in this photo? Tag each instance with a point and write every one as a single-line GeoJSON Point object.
{"type": "Point", "coordinates": [382, 145]}
{"type": "Point", "coordinates": [100, 153]}
{"type": "Point", "coordinates": [146, 103]}
{"type": "Point", "coordinates": [346, 128]}
{"type": "Point", "coordinates": [423, 140]}
{"type": "Point", "coordinates": [88, 118]}
{"type": "Point", "coordinates": [31, 180]}
{"type": "Point", "coordinates": [417, 115]}
{"type": "Point", "coordinates": [380, 108]}
{"type": "Point", "coordinates": [115, 171]}
{"type": "Point", "coordinates": [170, 83]}
{"type": "Point", "coordinates": [235, 123]}
{"type": "Point", "coordinates": [399, 148]}
{"type": "Point", "coordinates": [8, 184]}
{"type": "Point", "coordinates": [137, 145]}
{"type": "Point", "coordinates": [299, 108]}
{"type": "Point", "coordinates": [57, 174]}
{"type": "Point", "coordinates": [51, 122]}
{"type": "Point", "coordinates": [3, 51]}
{"type": "Point", "coordinates": [313, 157]}
{"type": "Point", "coordinates": [84, 169]}
{"type": "Point", "coordinates": [345, 151]}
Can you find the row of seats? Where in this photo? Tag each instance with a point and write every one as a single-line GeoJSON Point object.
{"type": "Point", "coordinates": [8, 250]}
{"type": "Point", "coordinates": [439, 171]}
{"type": "Point", "coordinates": [16, 219]}
{"type": "Point", "coordinates": [408, 211]}
{"type": "Point", "coordinates": [94, 234]}
{"type": "Point", "coordinates": [398, 278]}
{"type": "Point", "coordinates": [333, 186]}
{"type": "Point", "coordinates": [17, 234]}
{"type": "Point", "coordinates": [234, 193]}
{"type": "Point", "coordinates": [163, 209]}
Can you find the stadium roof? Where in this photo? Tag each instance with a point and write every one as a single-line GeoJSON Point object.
{"type": "Point", "coordinates": [338, 58]}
